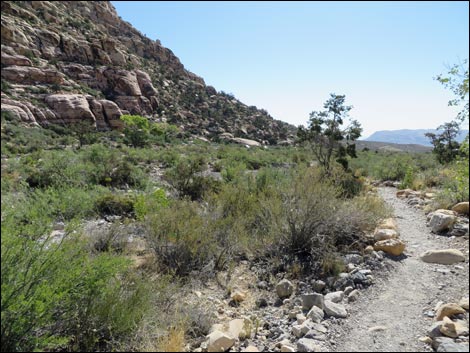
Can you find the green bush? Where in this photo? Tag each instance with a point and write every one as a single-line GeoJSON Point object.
{"type": "Point", "coordinates": [408, 178]}
{"type": "Point", "coordinates": [180, 238]}
{"type": "Point", "coordinates": [187, 178]}
{"type": "Point", "coordinates": [55, 296]}
{"type": "Point", "coordinates": [115, 205]}
{"type": "Point", "coordinates": [150, 203]}
{"type": "Point", "coordinates": [136, 130]}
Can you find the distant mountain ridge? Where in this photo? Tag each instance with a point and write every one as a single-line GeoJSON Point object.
{"type": "Point", "coordinates": [407, 136]}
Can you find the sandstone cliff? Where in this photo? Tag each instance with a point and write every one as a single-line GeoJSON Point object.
{"type": "Point", "coordinates": [68, 61]}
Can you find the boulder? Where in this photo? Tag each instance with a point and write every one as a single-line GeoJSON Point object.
{"type": "Point", "coordinates": [318, 285]}
{"type": "Point", "coordinates": [139, 105]}
{"type": "Point", "coordinates": [444, 257]}
{"type": "Point", "coordinates": [453, 329]}
{"type": "Point", "coordinates": [284, 288]}
{"type": "Point", "coordinates": [385, 233]}
{"type": "Point", "coordinates": [18, 60]}
{"type": "Point", "coordinates": [246, 142]}
{"type": "Point", "coordinates": [70, 107]}
{"type": "Point", "coordinates": [464, 303]}
{"type": "Point", "coordinates": [287, 348]}
{"type": "Point", "coordinates": [123, 82]}
{"type": "Point", "coordinates": [334, 309]}
{"type": "Point", "coordinates": [446, 344]}
{"type": "Point", "coordinates": [441, 220]}
{"type": "Point", "coordinates": [335, 297]}
{"type": "Point", "coordinates": [237, 328]}
{"type": "Point", "coordinates": [461, 207]}
{"type": "Point", "coordinates": [112, 113]}
{"type": "Point", "coordinates": [448, 309]}
{"type": "Point", "coordinates": [31, 75]}
{"type": "Point", "coordinates": [308, 345]}
{"type": "Point", "coordinates": [390, 246]}
{"type": "Point", "coordinates": [435, 329]}
{"type": "Point", "coordinates": [219, 342]}
{"type": "Point", "coordinates": [316, 314]}
{"type": "Point", "coordinates": [145, 84]}
{"type": "Point", "coordinates": [20, 111]}
{"type": "Point", "coordinates": [251, 349]}
{"type": "Point", "coordinates": [353, 296]}
{"type": "Point", "coordinates": [310, 300]}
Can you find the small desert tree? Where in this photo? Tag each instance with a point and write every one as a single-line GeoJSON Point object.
{"type": "Point", "coordinates": [446, 147]}
{"type": "Point", "coordinates": [327, 136]}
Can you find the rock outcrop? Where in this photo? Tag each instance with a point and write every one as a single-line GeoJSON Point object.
{"type": "Point", "coordinates": [101, 67]}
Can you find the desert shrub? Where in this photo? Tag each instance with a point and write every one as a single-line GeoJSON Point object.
{"type": "Point", "coordinates": [331, 264]}
{"type": "Point", "coordinates": [233, 171]}
{"type": "Point", "coordinates": [115, 205]}
{"type": "Point", "coordinates": [169, 158]}
{"type": "Point", "coordinates": [363, 213]}
{"type": "Point", "coordinates": [309, 212]}
{"type": "Point", "coordinates": [67, 203]}
{"type": "Point", "coordinates": [198, 320]}
{"type": "Point", "coordinates": [408, 179]}
{"type": "Point", "coordinates": [173, 341]}
{"type": "Point", "coordinates": [347, 183]}
{"type": "Point", "coordinates": [179, 236]}
{"type": "Point", "coordinates": [56, 296]}
{"type": "Point", "coordinates": [149, 203]}
{"type": "Point", "coordinates": [110, 167]}
{"type": "Point", "coordinates": [54, 169]}
{"type": "Point", "coordinates": [136, 130]}
{"type": "Point", "coordinates": [18, 139]}
{"type": "Point", "coordinates": [186, 177]}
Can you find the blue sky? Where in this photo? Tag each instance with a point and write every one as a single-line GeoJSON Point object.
{"type": "Point", "coordinates": [287, 57]}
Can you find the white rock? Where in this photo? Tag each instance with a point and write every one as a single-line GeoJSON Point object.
{"type": "Point", "coordinates": [353, 296]}
{"type": "Point", "coordinates": [313, 299]}
{"type": "Point", "coordinates": [335, 310]}
{"type": "Point", "coordinates": [308, 345]}
{"type": "Point", "coordinates": [384, 234]}
{"type": "Point", "coordinates": [335, 297]}
{"type": "Point", "coordinates": [287, 348]}
{"type": "Point", "coordinates": [316, 314]}
{"type": "Point", "coordinates": [219, 342]}
{"type": "Point", "coordinates": [441, 220]}
{"type": "Point", "coordinates": [445, 257]}
{"type": "Point", "coordinates": [284, 288]}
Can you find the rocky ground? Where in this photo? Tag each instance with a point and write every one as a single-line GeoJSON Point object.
{"type": "Point", "coordinates": [384, 303]}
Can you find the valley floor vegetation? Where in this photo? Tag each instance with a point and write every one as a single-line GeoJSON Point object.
{"type": "Point", "coordinates": [175, 208]}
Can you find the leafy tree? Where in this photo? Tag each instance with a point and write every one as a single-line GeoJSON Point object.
{"type": "Point", "coordinates": [445, 145]}
{"type": "Point", "coordinates": [457, 81]}
{"type": "Point", "coordinates": [327, 136]}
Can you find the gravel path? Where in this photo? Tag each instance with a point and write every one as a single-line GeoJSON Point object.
{"type": "Point", "coordinates": [400, 299]}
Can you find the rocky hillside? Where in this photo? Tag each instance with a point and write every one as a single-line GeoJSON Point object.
{"type": "Point", "coordinates": [68, 61]}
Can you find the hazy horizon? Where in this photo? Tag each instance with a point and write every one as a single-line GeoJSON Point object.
{"type": "Point", "coordinates": [287, 57]}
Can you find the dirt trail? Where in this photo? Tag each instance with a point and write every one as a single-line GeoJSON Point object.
{"type": "Point", "coordinates": [400, 301]}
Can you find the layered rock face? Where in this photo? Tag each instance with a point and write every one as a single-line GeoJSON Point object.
{"type": "Point", "coordinates": [69, 61]}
